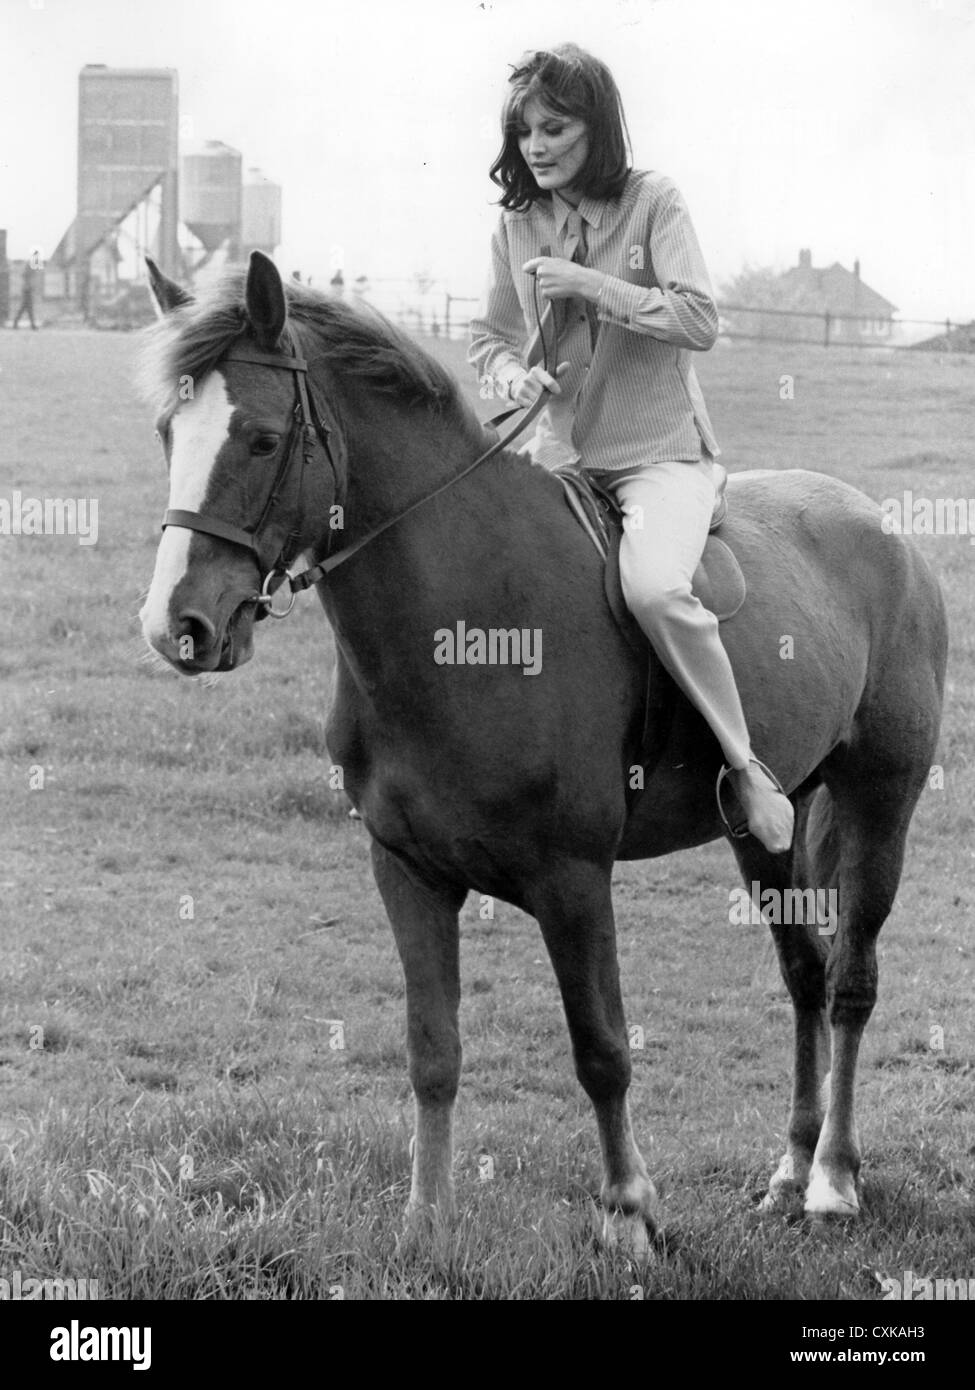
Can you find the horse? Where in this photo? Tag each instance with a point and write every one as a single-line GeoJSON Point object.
{"type": "Point", "coordinates": [315, 428]}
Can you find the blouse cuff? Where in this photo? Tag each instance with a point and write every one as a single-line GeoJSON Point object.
{"type": "Point", "coordinates": [618, 300]}
{"type": "Point", "coordinates": [509, 378]}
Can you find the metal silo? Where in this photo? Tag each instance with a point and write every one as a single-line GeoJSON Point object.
{"type": "Point", "coordinates": [261, 213]}
{"type": "Point", "coordinates": [210, 195]}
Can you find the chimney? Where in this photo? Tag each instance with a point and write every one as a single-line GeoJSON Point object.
{"type": "Point", "coordinates": [805, 259]}
{"type": "Point", "coordinates": [856, 270]}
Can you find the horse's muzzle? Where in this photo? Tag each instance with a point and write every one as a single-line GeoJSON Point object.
{"type": "Point", "coordinates": [197, 643]}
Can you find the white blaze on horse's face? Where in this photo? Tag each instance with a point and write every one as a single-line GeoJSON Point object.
{"type": "Point", "coordinates": [199, 429]}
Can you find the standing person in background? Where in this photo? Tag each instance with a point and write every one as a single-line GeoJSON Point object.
{"type": "Point", "coordinates": [632, 300]}
{"type": "Point", "coordinates": [27, 294]}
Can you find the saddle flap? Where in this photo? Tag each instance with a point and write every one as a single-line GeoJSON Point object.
{"type": "Point", "coordinates": [718, 581]}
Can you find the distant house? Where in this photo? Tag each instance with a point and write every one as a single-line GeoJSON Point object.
{"type": "Point", "coordinates": [857, 313]}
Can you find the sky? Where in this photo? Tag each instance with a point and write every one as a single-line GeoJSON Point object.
{"type": "Point", "coordinates": [845, 126]}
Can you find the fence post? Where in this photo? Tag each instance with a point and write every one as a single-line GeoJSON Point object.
{"type": "Point", "coordinates": [947, 335]}
{"type": "Point", "coordinates": [446, 314]}
{"type": "Point", "coordinates": [826, 323]}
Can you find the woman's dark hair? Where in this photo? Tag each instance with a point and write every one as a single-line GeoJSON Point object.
{"type": "Point", "coordinates": [571, 82]}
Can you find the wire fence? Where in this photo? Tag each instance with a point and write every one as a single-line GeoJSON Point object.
{"type": "Point", "coordinates": [425, 305]}
{"type": "Point", "coordinates": [422, 305]}
{"type": "Point", "coordinates": [832, 329]}
{"type": "Point", "coordinates": [434, 310]}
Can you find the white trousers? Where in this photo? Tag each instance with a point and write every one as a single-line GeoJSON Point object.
{"type": "Point", "coordinates": [667, 509]}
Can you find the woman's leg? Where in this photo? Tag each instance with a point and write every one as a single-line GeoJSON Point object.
{"type": "Point", "coordinates": [667, 509]}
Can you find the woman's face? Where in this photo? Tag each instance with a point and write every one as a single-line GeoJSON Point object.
{"type": "Point", "coordinates": [554, 147]}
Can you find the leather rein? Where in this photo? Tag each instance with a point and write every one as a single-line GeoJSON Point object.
{"type": "Point", "coordinates": [307, 426]}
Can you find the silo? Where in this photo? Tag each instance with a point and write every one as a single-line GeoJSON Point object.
{"type": "Point", "coordinates": [210, 192]}
{"type": "Point", "coordinates": [261, 213]}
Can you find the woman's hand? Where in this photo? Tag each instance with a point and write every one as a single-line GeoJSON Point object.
{"type": "Point", "coordinates": [538, 379]}
{"type": "Point", "coordinates": [561, 279]}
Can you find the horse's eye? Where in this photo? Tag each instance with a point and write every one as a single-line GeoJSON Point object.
{"type": "Point", "coordinates": [265, 444]}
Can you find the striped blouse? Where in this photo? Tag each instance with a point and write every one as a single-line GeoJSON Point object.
{"type": "Point", "coordinates": [631, 397]}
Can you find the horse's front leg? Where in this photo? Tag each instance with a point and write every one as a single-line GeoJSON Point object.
{"type": "Point", "coordinates": [575, 911]}
{"type": "Point", "coordinates": [424, 919]}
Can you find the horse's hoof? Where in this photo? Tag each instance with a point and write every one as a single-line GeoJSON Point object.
{"type": "Point", "coordinates": [428, 1218]}
{"type": "Point", "coordinates": [629, 1236]}
{"type": "Point", "coordinates": [779, 1201]}
{"type": "Point", "coordinates": [630, 1216]}
{"type": "Point", "coordinates": [826, 1199]}
{"type": "Point", "coordinates": [786, 1187]}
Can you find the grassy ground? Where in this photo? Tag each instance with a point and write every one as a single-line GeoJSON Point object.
{"type": "Point", "coordinates": [187, 913]}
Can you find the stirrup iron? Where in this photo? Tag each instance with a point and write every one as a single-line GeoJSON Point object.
{"type": "Point", "coordinates": [739, 832]}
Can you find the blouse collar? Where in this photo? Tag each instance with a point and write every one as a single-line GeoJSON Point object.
{"type": "Point", "coordinates": [591, 210]}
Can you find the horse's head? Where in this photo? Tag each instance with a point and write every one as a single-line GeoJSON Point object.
{"type": "Point", "coordinates": [251, 478]}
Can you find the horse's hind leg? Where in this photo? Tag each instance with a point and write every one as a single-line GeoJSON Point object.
{"type": "Point", "coordinates": [575, 912]}
{"type": "Point", "coordinates": [424, 919]}
{"type": "Point", "coordinates": [873, 811]}
{"type": "Point", "coordinates": [802, 957]}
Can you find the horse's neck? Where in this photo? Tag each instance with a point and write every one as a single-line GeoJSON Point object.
{"type": "Point", "coordinates": [397, 454]}
{"type": "Point", "coordinates": [470, 555]}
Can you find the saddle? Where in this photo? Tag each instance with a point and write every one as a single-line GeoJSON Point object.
{"type": "Point", "coordinates": [718, 582]}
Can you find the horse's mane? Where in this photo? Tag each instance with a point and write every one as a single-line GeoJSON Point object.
{"type": "Point", "coordinates": [356, 341]}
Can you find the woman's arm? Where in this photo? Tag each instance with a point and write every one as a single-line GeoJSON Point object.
{"type": "Point", "coordinates": [498, 330]}
{"type": "Point", "coordinates": [682, 311]}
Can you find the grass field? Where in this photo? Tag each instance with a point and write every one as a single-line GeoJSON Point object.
{"type": "Point", "coordinates": [187, 912]}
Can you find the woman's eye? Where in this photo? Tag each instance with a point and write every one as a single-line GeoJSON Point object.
{"type": "Point", "coordinates": [264, 444]}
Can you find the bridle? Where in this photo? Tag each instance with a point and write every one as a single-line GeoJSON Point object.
{"type": "Point", "coordinates": [307, 426]}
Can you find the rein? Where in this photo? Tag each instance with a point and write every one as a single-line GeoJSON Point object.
{"type": "Point", "coordinates": [306, 426]}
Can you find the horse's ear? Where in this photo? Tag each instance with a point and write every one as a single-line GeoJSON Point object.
{"type": "Point", "coordinates": [266, 307]}
{"type": "Point", "coordinates": [166, 294]}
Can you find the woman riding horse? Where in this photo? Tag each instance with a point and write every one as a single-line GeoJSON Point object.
{"type": "Point", "coordinates": [628, 401]}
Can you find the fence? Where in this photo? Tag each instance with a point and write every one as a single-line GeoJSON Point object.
{"type": "Point", "coordinates": [425, 305]}
{"type": "Point", "coordinates": [766, 324]}
{"type": "Point", "coordinates": [429, 307]}
{"type": "Point", "coordinates": [421, 305]}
